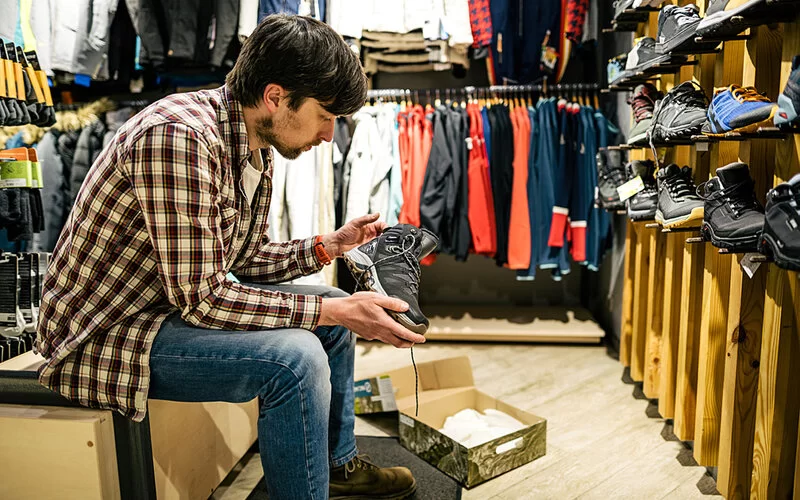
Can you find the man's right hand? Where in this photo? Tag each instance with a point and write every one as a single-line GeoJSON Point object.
{"type": "Point", "coordinates": [364, 313]}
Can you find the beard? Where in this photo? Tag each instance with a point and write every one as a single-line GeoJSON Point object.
{"type": "Point", "coordinates": [265, 130]}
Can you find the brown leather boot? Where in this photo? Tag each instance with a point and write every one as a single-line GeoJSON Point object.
{"type": "Point", "coordinates": [358, 479]}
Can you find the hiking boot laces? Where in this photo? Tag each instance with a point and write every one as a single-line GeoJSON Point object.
{"type": "Point", "coordinates": [684, 15]}
{"type": "Point", "coordinates": [643, 106]}
{"type": "Point", "coordinates": [358, 462]}
{"type": "Point", "coordinates": [748, 94]}
{"type": "Point", "coordinates": [693, 96]}
{"type": "Point", "coordinates": [405, 253]}
{"type": "Point", "coordinates": [740, 197]}
{"type": "Point", "coordinates": [681, 185]}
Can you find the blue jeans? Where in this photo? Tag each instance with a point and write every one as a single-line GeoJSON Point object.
{"type": "Point", "coordinates": [304, 381]}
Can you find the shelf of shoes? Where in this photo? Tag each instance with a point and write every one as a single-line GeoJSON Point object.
{"type": "Point", "coordinates": [760, 133]}
{"type": "Point", "coordinates": [772, 13]}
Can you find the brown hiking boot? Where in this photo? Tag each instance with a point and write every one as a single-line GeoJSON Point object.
{"type": "Point", "coordinates": [358, 479]}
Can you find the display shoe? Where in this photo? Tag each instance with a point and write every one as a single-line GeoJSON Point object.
{"type": "Point", "coordinates": [781, 235]}
{"type": "Point", "coordinates": [676, 27]}
{"type": "Point", "coordinates": [615, 67]}
{"type": "Point", "coordinates": [389, 265]}
{"type": "Point", "coordinates": [610, 176]}
{"type": "Point", "coordinates": [720, 12]}
{"type": "Point", "coordinates": [359, 478]}
{"type": "Point", "coordinates": [643, 101]}
{"type": "Point", "coordinates": [738, 109]}
{"type": "Point", "coordinates": [679, 115]}
{"type": "Point", "coordinates": [733, 217]}
{"type": "Point", "coordinates": [678, 203]}
{"type": "Point", "coordinates": [642, 206]}
{"type": "Point", "coordinates": [642, 56]}
{"type": "Point", "coordinates": [789, 100]}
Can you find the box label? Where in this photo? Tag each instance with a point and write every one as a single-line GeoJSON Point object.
{"type": "Point", "coordinates": [374, 395]}
{"type": "Point", "coordinates": [406, 420]}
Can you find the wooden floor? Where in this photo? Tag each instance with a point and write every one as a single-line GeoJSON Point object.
{"type": "Point", "coordinates": [604, 439]}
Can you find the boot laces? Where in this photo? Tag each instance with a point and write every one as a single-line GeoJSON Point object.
{"type": "Point", "coordinates": [750, 94]}
{"type": "Point", "coordinates": [681, 185]}
{"type": "Point", "coordinates": [740, 197]}
{"type": "Point", "coordinates": [358, 462]}
{"type": "Point", "coordinates": [692, 96]}
{"type": "Point", "coordinates": [405, 253]}
{"type": "Point", "coordinates": [642, 104]}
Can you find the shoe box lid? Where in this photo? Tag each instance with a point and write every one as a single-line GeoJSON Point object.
{"type": "Point", "coordinates": [446, 386]}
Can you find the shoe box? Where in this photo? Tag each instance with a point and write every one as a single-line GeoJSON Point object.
{"type": "Point", "coordinates": [446, 387]}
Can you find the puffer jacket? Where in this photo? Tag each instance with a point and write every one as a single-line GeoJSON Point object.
{"type": "Point", "coordinates": [88, 148]}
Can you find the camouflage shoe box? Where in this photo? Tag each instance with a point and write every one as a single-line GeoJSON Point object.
{"type": "Point", "coordinates": [446, 387]}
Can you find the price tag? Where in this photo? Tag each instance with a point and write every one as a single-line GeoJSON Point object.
{"type": "Point", "coordinates": [630, 188]}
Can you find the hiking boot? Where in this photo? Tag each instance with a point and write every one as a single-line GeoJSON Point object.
{"type": "Point", "coordinates": [643, 55]}
{"type": "Point", "coordinates": [676, 27]}
{"type": "Point", "coordinates": [359, 478]}
{"type": "Point", "coordinates": [719, 13]}
{"type": "Point", "coordinates": [781, 235]}
{"type": "Point", "coordinates": [642, 206]}
{"type": "Point", "coordinates": [389, 265]}
{"type": "Point", "coordinates": [789, 100]}
{"type": "Point", "coordinates": [738, 109]}
{"type": "Point", "coordinates": [610, 176]}
{"type": "Point", "coordinates": [733, 217]}
{"type": "Point", "coordinates": [680, 114]}
{"type": "Point", "coordinates": [643, 102]}
{"type": "Point", "coordinates": [678, 203]}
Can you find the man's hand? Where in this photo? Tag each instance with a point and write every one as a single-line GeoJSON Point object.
{"type": "Point", "coordinates": [354, 233]}
{"type": "Point", "coordinates": [364, 313]}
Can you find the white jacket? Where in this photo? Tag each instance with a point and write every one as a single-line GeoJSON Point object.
{"type": "Point", "coordinates": [366, 169]}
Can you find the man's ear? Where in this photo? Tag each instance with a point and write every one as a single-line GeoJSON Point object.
{"type": "Point", "coordinates": [273, 94]}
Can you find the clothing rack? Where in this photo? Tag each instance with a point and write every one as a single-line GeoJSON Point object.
{"type": "Point", "coordinates": [497, 89]}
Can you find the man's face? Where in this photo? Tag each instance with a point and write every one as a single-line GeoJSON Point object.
{"type": "Point", "coordinates": [292, 132]}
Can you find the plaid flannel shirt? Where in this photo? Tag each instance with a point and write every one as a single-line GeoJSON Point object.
{"type": "Point", "coordinates": [160, 220]}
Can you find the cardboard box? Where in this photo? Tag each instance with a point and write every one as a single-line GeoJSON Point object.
{"type": "Point", "coordinates": [446, 387]}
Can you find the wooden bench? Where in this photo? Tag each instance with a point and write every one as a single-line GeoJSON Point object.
{"type": "Point", "coordinates": [51, 447]}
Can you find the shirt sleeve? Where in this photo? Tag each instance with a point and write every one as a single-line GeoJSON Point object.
{"type": "Point", "coordinates": [176, 179]}
{"type": "Point", "coordinates": [279, 262]}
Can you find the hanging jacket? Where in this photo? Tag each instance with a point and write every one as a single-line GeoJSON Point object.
{"type": "Point", "coordinates": [226, 18]}
{"type": "Point", "coordinates": [87, 149]}
{"type": "Point", "coordinates": [366, 179]}
{"type": "Point", "coordinates": [481, 202]}
{"type": "Point", "coordinates": [248, 18]}
{"type": "Point", "coordinates": [461, 231]}
{"type": "Point", "coordinates": [519, 248]}
{"type": "Point", "coordinates": [92, 38]}
{"type": "Point", "coordinates": [52, 190]}
{"type": "Point", "coordinates": [437, 187]}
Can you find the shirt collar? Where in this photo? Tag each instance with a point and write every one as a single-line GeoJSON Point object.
{"type": "Point", "coordinates": [238, 131]}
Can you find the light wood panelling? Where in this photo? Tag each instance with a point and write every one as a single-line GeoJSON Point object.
{"type": "Point", "coordinates": [652, 376]}
{"type": "Point", "coordinates": [673, 274]}
{"type": "Point", "coordinates": [626, 332]}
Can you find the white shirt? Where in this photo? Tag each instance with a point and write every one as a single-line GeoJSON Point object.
{"type": "Point", "coordinates": [251, 177]}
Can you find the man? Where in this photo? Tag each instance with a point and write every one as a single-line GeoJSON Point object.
{"type": "Point", "coordinates": [137, 302]}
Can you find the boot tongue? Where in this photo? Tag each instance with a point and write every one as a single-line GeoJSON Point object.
{"type": "Point", "coordinates": [428, 244]}
{"type": "Point", "coordinates": [733, 174]}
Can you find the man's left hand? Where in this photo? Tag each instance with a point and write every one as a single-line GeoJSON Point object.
{"type": "Point", "coordinates": [354, 233]}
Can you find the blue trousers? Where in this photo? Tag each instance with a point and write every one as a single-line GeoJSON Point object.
{"type": "Point", "coordinates": [303, 379]}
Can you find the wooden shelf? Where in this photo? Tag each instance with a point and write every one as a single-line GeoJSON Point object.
{"type": "Point", "coordinates": [512, 324]}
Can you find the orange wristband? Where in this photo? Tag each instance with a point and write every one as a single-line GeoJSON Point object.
{"type": "Point", "coordinates": [319, 249]}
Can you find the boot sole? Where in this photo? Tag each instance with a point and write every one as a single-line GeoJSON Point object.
{"type": "Point", "coordinates": [737, 245]}
{"type": "Point", "coordinates": [361, 266]}
{"type": "Point", "coordinates": [694, 218]}
{"type": "Point", "coordinates": [708, 24]}
{"type": "Point", "coordinates": [767, 246]}
{"type": "Point", "coordinates": [747, 129]}
{"type": "Point", "coordinates": [391, 496]}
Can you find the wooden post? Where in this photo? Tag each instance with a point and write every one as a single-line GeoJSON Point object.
{"type": "Point", "coordinates": [640, 296]}
{"type": "Point", "coordinates": [716, 290]}
{"type": "Point", "coordinates": [627, 295]}
{"type": "Point", "coordinates": [746, 305]}
{"type": "Point", "coordinates": [673, 275]}
{"type": "Point", "coordinates": [778, 386]}
{"type": "Point", "coordinates": [652, 377]}
{"type": "Point", "coordinates": [691, 297]}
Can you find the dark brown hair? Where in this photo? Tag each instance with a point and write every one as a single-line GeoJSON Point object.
{"type": "Point", "coordinates": [306, 57]}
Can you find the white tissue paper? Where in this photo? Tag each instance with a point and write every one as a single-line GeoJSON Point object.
{"type": "Point", "coordinates": [472, 428]}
